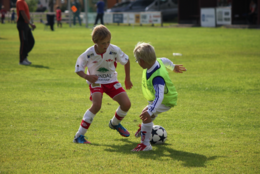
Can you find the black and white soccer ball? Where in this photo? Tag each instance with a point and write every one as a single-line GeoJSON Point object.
{"type": "Point", "coordinates": [159, 135]}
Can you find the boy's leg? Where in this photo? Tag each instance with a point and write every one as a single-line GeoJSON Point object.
{"type": "Point", "coordinates": [24, 32]}
{"type": "Point", "coordinates": [101, 18]}
{"type": "Point", "coordinates": [120, 113]}
{"type": "Point", "coordinates": [89, 116]}
{"type": "Point", "coordinates": [146, 129]}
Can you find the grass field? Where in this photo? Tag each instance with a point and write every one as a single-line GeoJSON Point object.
{"type": "Point", "coordinates": [214, 129]}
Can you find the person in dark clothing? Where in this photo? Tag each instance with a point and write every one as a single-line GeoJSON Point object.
{"type": "Point", "coordinates": [76, 11]}
{"type": "Point", "coordinates": [25, 33]}
{"type": "Point", "coordinates": [100, 11]}
{"type": "Point", "coordinates": [251, 18]}
{"type": "Point", "coordinates": [13, 17]}
{"type": "Point", "coordinates": [3, 12]}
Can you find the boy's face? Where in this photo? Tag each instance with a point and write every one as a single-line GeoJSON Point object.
{"type": "Point", "coordinates": [141, 63]}
{"type": "Point", "coordinates": [102, 45]}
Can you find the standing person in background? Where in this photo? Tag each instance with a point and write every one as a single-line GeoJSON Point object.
{"type": "Point", "coordinates": [3, 12]}
{"type": "Point", "coordinates": [100, 11]}
{"type": "Point", "coordinates": [251, 18]}
{"type": "Point", "coordinates": [13, 16]}
{"type": "Point", "coordinates": [58, 17]}
{"type": "Point", "coordinates": [76, 13]}
{"type": "Point", "coordinates": [25, 33]}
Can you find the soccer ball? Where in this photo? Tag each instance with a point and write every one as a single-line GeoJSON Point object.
{"type": "Point", "coordinates": [159, 135]}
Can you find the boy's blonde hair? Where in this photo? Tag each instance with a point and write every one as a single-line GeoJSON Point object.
{"type": "Point", "coordinates": [145, 51]}
{"type": "Point", "coordinates": [100, 32]}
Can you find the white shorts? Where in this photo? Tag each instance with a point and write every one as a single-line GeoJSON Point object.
{"type": "Point", "coordinates": [160, 109]}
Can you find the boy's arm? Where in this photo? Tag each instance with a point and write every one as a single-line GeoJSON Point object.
{"type": "Point", "coordinates": [128, 83]}
{"type": "Point", "coordinates": [27, 20]}
{"type": "Point", "coordinates": [152, 107]}
{"type": "Point", "coordinates": [176, 68]}
{"type": "Point", "coordinates": [90, 78]}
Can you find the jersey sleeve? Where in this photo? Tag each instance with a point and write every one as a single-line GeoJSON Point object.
{"type": "Point", "coordinates": [168, 64]}
{"type": "Point", "coordinates": [121, 57]}
{"type": "Point", "coordinates": [159, 95]}
{"type": "Point", "coordinates": [20, 6]}
{"type": "Point", "coordinates": [81, 62]}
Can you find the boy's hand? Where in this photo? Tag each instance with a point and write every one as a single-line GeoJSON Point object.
{"type": "Point", "coordinates": [128, 84]}
{"type": "Point", "coordinates": [145, 117]}
{"type": "Point", "coordinates": [92, 78]}
{"type": "Point", "coordinates": [179, 69]}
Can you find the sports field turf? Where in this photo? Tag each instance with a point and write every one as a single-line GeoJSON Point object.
{"type": "Point", "coordinates": [214, 129]}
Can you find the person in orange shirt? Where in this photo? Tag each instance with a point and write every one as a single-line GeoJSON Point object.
{"type": "Point", "coordinates": [25, 33]}
{"type": "Point", "coordinates": [58, 17]}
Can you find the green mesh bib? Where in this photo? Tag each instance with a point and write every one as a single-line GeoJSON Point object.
{"type": "Point", "coordinates": [170, 93]}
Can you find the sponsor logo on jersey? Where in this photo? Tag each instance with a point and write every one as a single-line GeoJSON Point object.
{"type": "Point", "coordinates": [95, 62]}
{"type": "Point", "coordinates": [92, 54]}
{"type": "Point", "coordinates": [104, 76]}
{"type": "Point", "coordinates": [111, 52]}
{"type": "Point", "coordinates": [109, 60]}
{"type": "Point", "coordinates": [102, 70]}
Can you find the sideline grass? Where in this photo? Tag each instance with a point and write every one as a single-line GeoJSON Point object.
{"type": "Point", "coordinates": [214, 129]}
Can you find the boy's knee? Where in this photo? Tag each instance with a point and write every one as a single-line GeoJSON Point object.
{"type": "Point", "coordinates": [95, 107]}
{"type": "Point", "coordinates": [126, 106]}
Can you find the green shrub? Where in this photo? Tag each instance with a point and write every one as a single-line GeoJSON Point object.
{"type": "Point", "coordinates": [32, 4]}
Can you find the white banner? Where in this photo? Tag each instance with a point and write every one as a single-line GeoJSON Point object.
{"type": "Point", "coordinates": [223, 16]}
{"type": "Point", "coordinates": [207, 17]}
{"type": "Point", "coordinates": [108, 18]}
{"type": "Point", "coordinates": [126, 18]}
{"type": "Point", "coordinates": [150, 18]}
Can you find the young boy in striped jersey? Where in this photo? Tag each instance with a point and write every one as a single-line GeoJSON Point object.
{"type": "Point", "coordinates": [101, 61]}
{"type": "Point", "coordinates": [157, 88]}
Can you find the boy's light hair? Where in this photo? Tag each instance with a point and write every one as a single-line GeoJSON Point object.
{"type": "Point", "coordinates": [100, 32]}
{"type": "Point", "coordinates": [145, 51]}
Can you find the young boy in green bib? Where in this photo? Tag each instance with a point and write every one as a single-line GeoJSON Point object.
{"type": "Point", "coordinates": [157, 88]}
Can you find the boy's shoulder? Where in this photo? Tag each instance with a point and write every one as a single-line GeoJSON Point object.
{"type": "Point", "coordinates": [113, 47]}
{"type": "Point", "coordinates": [89, 52]}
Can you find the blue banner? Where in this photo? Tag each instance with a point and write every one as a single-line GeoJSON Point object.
{"type": "Point", "coordinates": [118, 18]}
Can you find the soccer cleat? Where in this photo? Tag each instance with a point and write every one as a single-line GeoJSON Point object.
{"type": "Point", "coordinates": [25, 63]}
{"type": "Point", "coordinates": [81, 139]}
{"type": "Point", "coordinates": [138, 132]}
{"type": "Point", "coordinates": [120, 129]}
{"type": "Point", "coordinates": [142, 147]}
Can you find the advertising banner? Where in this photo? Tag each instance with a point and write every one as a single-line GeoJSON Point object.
{"type": "Point", "coordinates": [131, 18]}
{"type": "Point", "coordinates": [118, 18]}
{"type": "Point", "coordinates": [137, 18]}
{"type": "Point", "coordinates": [223, 16]}
{"type": "Point", "coordinates": [207, 18]}
{"type": "Point", "coordinates": [108, 18]}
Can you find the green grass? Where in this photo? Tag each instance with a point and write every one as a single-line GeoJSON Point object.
{"type": "Point", "coordinates": [214, 129]}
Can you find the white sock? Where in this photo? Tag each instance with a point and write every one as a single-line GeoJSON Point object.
{"type": "Point", "coordinates": [146, 130]}
{"type": "Point", "coordinates": [85, 123]}
{"type": "Point", "coordinates": [118, 117]}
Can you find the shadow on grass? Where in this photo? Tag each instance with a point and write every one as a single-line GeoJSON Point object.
{"type": "Point", "coordinates": [38, 66]}
{"type": "Point", "coordinates": [162, 152]}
